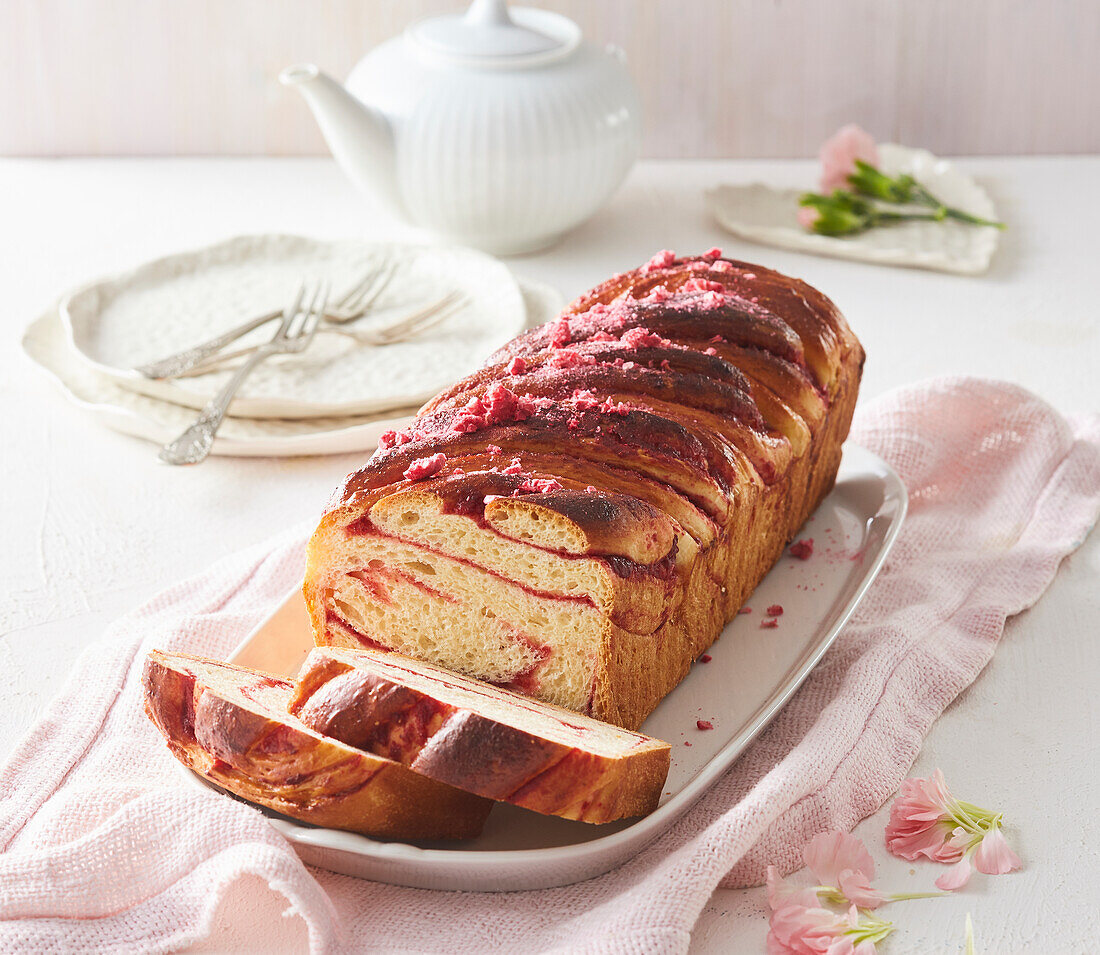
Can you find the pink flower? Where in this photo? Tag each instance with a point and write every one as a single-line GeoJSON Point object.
{"type": "Point", "coordinates": [840, 860]}
{"type": "Point", "coordinates": [796, 929]}
{"type": "Point", "coordinates": [838, 156]}
{"type": "Point", "coordinates": [994, 857]}
{"type": "Point", "coordinates": [843, 869]}
{"type": "Point", "coordinates": [807, 216]}
{"type": "Point", "coordinates": [926, 820]}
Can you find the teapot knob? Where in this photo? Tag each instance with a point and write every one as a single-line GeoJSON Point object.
{"type": "Point", "coordinates": [489, 12]}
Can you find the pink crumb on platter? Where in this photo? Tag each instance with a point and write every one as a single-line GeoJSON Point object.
{"type": "Point", "coordinates": [745, 610]}
{"type": "Point", "coordinates": [802, 549]}
{"type": "Point", "coordinates": [775, 610]}
{"type": "Point", "coordinates": [686, 743]}
{"type": "Point", "coordinates": [704, 724]}
{"type": "Point", "coordinates": [770, 624]}
{"type": "Point", "coordinates": [425, 467]}
{"type": "Point", "coordinates": [705, 658]}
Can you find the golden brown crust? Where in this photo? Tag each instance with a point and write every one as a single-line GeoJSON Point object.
{"type": "Point", "coordinates": [716, 393]}
{"type": "Point", "coordinates": [275, 762]}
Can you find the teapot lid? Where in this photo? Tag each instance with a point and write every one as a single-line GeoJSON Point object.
{"type": "Point", "coordinates": [489, 34]}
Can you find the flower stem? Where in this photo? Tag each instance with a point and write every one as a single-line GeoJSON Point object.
{"type": "Point", "coordinates": [924, 197]}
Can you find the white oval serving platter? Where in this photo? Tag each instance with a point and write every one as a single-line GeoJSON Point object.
{"type": "Point", "coordinates": [752, 673]}
{"type": "Point", "coordinates": [176, 302]}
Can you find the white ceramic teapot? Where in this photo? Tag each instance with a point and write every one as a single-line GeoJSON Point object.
{"type": "Point", "coordinates": [499, 128]}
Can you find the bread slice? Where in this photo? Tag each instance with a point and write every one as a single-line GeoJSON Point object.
{"type": "Point", "coordinates": [479, 737]}
{"type": "Point", "coordinates": [231, 725]}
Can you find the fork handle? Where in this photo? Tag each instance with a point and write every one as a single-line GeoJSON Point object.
{"type": "Point", "coordinates": [194, 444]}
{"type": "Point", "coordinates": [175, 365]}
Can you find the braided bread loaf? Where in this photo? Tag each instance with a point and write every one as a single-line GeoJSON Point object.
{"type": "Point", "coordinates": [580, 518]}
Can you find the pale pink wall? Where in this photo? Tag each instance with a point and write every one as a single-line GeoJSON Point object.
{"type": "Point", "coordinates": [718, 77]}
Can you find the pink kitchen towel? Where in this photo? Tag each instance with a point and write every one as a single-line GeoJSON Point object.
{"type": "Point", "coordinates": [103, 849]}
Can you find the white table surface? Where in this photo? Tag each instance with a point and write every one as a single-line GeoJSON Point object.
{"type": "Point", "coordinates": [94, 525]}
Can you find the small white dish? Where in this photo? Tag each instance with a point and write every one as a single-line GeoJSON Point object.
{"type": "Point", "coordinates": [110, 404]}
{"type": "Point", "coordinates": [762, 214]}
{"type": "Point", "coordinates": [752, 673]}
{"type": "Point", "coordinates": [173, 303]}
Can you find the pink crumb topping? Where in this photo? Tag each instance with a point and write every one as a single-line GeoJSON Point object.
{"type": "Point", "coordinates": [749, 275]}
{"type": "Point", "coordinates": [803, 549]}
{"type": "Point", "coordinates": [493, 449]}
{"type": "Point", "coordinates": [775, 610]}
{"type": "Point", "coordinates": [718, 340]}
{"type": "Point", "coordinates": [643, 338]}
{"type": "Point", "coordinates": [569, 358]}
{"type": "Point", "coordinates": [489, 498]}
{"type": "Point", "coordinates": [710, 351]}
{"type": "Point", "coordinates": [505, 406]}
{"type": "Point", "coordinates": [712, 300]}
{"type": "Point", "coordinates": [499, 405]}
{"type": "Point", "coordinates": [393, 439]}
{"type": "Point", "coordinates": [425, 467]}
{"type": "Point", "coordinates": [538, 486]}
{"type": "Point", "coordinates": [560, 333]}
{"type": "Point", "coordinates": [662, 260]}
{"type": "Point", "coordinates": [585, 400]}
{"type": "Point", "coordinates": [592, 489]}
{"type": "Point", "coordinates": [722, 266]}
{"type": "Point", "coordinates": [615, 407]}
{"type": "Point", "coordinates": [602, 336]}
{"type": "Point", "coordinates": [513, 468]}
{"type": "Point", "coordinates": [704, 724]}
{"type": "Point", "coordinates": [702, 285]}
{"type": "Point", "coordinates": [665, 365]}
{"type": "Point", "coordinates": [472, 417]}
{"type": "Point", "coordinates": [713, 253]}
{"type": "Point", "coordinates": [658, 294]}
{"type": "Point", "coordinates": [518, 366]}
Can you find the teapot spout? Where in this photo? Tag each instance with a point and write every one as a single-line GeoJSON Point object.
{"type": "Point", "coordinates": [359, 136]}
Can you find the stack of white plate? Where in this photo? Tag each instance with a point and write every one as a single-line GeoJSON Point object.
{"type": "Point", "coordinates": [339, 395]}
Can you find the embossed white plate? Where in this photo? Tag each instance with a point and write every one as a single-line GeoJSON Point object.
{"type": "Point", "coordinates": [176, 302]}
{"type": "Point", "coordinates": [752, 673]}
{"type": "Point", "coordinates": [766, 215]}
{"type": "Point", "coordinates": [141, 416]}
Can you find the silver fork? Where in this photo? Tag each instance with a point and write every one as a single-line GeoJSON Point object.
{"type": "Point", "coordinates": [293, 335]}
{"type": "Point", "coordinates": [408, 326]}
{"type": "Point", "coordinates": [354, 304]}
